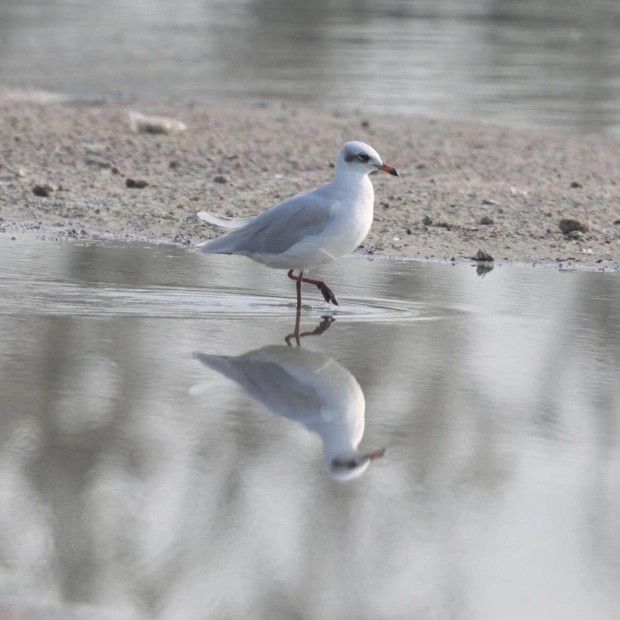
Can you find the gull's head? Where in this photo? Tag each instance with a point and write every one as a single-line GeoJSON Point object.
{"type": "Point", "coordinates": [359, 158]}
{"type": "Point", "coordinates": [350, 466]}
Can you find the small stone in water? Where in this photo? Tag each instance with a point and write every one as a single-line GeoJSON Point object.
{"type": "Point", "coordinates": [483, 268]}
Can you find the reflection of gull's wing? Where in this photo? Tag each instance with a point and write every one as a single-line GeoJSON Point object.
{"type": "Point", "coordinates": [276, 230]}
{"type": "Point", "coordinates": [270, 384]}
{"type": "Point", "coordinates": [300, 385]}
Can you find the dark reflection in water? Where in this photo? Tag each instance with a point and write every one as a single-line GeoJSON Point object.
{"type": "Point", "coordinates": [531, 61]}
{"type": "Point", "coordinates": [136, 483]}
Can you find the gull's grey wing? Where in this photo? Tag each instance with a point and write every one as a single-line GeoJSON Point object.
{"type": "Point", "coordinates": [278, 229]}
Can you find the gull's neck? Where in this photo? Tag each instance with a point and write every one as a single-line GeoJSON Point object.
{"type": "Point", "coordinates": [352, 182]}
{"type": "Point", "coordinates": [350, 174]}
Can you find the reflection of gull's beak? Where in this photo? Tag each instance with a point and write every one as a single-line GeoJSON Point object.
{"type": "Point", "coordinates": [376, 454]}
{"type": "Point", "coordinates": [389, 169]}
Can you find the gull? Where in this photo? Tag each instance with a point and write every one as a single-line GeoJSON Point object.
{"type": "Point", "coordinates": [312, 228]}
{"type": "Point", "coordinates": [308, 388]}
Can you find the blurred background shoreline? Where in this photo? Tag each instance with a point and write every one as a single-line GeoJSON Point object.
{"type": "Point", "coordinates": [531, 63]}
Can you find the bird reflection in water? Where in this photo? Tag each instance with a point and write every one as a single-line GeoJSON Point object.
{"type": "Point", "coordinates": [308, 388]}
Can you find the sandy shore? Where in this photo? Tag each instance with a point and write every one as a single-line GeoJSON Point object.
{"type": "Point", "coordinates": [463, 187]}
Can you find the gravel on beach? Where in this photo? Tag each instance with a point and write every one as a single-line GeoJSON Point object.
{"type": "Point", "coordinates": [83, 169]}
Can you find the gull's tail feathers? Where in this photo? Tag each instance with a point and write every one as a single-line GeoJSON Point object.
{"type": "Point", "coordinates": [224, 222]}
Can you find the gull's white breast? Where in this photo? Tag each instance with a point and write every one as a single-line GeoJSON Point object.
{"type": "Point", "coordinates": [350, 219]}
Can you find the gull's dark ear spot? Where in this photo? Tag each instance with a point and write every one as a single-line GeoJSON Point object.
{"type": "Point", "coordinates": [349, 156]}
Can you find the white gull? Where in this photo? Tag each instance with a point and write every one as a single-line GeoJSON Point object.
{"type": "Point", "coordinates": [312, 228]}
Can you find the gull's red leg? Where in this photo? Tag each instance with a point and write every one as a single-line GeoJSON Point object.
{"type": "Point", "coordinates": [298, 279]}
{"type": "Point", "coordinates": [299, 284]}
{"type": "Point", "coordinates": [327, 293]}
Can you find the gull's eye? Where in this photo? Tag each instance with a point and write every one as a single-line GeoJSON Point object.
{"type": "Point", "coordinates": [364, 157]}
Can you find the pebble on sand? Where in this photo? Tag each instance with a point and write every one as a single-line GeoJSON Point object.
{"type": "Point", "coordinates": [575, 235]}
{"type": "Point", "coordinates": [568, 225]}
{"type": "Point", "coordinates": [143, 123]}
{"type": "Point", "coordinates": [136, 183]}
{"type": "Point", "coordinates": [44, 190]}
{"type": "Point", "coordinates": [486, 220]}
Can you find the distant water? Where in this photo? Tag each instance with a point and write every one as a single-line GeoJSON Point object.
{"type": "Point", "coordinates": [532, 62]}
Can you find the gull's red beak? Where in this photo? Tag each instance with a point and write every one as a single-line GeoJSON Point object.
{"type": "Point", "coordinates": [389, 169]}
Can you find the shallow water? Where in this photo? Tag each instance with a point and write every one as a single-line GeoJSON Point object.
{"type": "Point", "coordinates": [139, 482]}
{"type": "Point", "coordinates": [528, 62]}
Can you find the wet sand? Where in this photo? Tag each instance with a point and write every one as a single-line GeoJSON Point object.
{"type": "Point", "coordinates": [463, 187]}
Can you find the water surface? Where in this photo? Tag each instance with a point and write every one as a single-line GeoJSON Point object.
{"type": "Point", "coordinates": [533, 62]}
{"type": "Point", "coordinates": [139, 482]}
